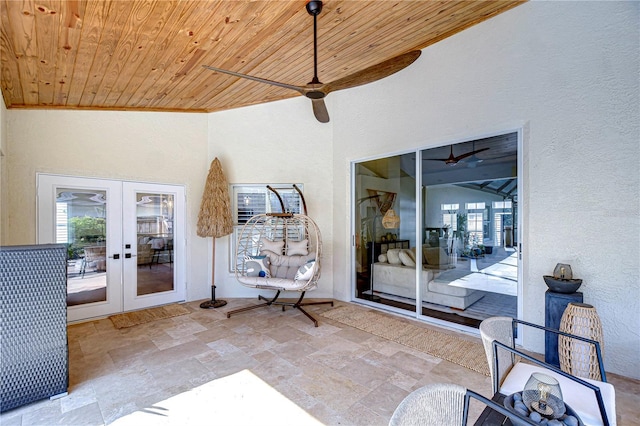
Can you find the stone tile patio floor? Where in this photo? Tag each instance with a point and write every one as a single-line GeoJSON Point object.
{"type": "Point", "coordinates": [338, 374]}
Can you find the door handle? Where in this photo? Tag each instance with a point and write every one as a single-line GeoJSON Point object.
{"type": "Point", "coordinates": [127, 255]}
{"type": "Point", "coordinates": [115, 256]}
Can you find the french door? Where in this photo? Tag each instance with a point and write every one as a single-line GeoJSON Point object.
{"type": "Point", "coordinates": [125, 242]}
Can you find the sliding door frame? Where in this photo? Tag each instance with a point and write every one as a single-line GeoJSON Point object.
{"type": "Point", "coordinates": [419, 195]}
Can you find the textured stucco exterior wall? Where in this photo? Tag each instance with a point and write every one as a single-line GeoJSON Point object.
{"type": "Point", "coordinates": [567, 74]}
{"type": "Point", "coordinates": [283, 144]}
{"type": "Point", "coordinates": [147, 147]}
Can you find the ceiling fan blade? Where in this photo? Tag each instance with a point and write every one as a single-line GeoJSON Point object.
{"type": "Point", "coordinates": [469, 154]}
{"type": "Point", "coordinates": [436, 159]}
{"type": "Point", "coordinates": [320, 110]}
{"type": "Point", "coordinates": [373, 73]}
{"type": "Point", "coordinates": [299, 89]}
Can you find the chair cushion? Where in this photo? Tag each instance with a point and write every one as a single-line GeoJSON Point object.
{"type": "Point", "coordinates": [297, 248]}
{"type": "Point", "coordinates": [580, 398]}
{"type": "Point", "coordinates": [407, 258]}
{"type": "Point", "coordinates": [435, 256]}
{"type": "Point", "coordinates": [257, 266]}
{"type": "Point", "coordinates": [283, 266]}
{"type": "Point", "coordinates": [274, 246]}
{"type": "Point", "coordinates": [393, 256]}
{"type": "Point", "coordinates": [305, 272]}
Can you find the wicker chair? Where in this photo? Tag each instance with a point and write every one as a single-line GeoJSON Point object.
{"type": "Point", "coordinates": [280, 252]}
{"type": "Point", "coordinates": [442, 404]}
{"type": "Point", "coordinates": [593, 400]}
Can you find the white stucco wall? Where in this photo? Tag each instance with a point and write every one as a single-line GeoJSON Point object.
{"type": "Point", "coordinates": [147, 147]}
{"type": "Point", "coordinates": [567, 72]}
{"type": "Point", "coordinates": [278, 142]}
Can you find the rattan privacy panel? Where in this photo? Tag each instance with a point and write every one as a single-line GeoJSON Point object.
{"type": "Point", "coordinates": [33, 321]}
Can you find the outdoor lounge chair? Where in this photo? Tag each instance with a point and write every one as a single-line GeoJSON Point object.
{"type": "Point", "coordinates": [443, 404]}
{"type": "Point", "coordinates": [592, 400]}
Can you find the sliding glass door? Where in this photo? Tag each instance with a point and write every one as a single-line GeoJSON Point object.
{"type": "Point", "coordinates": [385, 231]}
{"type": "Point", "coordinates": [455, 246]}
{"type": "Point", "coordinates": [124, 242]}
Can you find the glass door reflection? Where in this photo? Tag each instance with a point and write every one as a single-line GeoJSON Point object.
{"type": "Point", "coordinates": [81, 224]}
{"type": "Point", "coordinates": [385, 228]}
{"type": "Point", "coordinates": [155, 236]}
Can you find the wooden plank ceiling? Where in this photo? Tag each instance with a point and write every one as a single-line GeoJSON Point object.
{"type": "Point", "coordinates": [147, 54]}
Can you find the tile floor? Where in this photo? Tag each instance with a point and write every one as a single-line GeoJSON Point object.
{"type": "Point", "coordinates": [338, 374]}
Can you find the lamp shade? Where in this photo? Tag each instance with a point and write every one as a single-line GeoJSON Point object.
{"type": "Point", "coordinates": [542, 394]}
{"type": "Point", "coordinates": [390, 220]}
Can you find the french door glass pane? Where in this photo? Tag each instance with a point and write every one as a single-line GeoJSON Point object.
{"type": "Point", "coordinates": [155, 237]}
{"type": "Point", "coordinates": [81, 224]}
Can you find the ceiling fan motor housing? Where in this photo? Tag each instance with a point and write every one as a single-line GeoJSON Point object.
{"type": "Point", "coordinates": [315, 94]}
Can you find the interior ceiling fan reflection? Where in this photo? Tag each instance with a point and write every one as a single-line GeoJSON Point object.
{"type": "Point", "coordinates": [452, 160]}
{"type": "Point", "coordinates": [315, 90]}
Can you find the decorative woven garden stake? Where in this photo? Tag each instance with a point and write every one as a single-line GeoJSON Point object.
{"type": "Point", "coordinates": [214, 219]}
{"type": "Point", "coordinates": [576, 357]}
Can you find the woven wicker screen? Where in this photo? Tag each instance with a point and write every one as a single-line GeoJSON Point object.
{"type": "Point", "coordinates": [576, 357]}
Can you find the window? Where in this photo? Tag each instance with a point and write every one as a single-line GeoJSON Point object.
{"type": "Point", "coordinates": [474, 226]}
{"type": "Point", "coordinates": [449, 219]}
{"type": "Point", "coordinates": [502, 204]}
{"type": "Point", "coordinates": [250, 200]}
{"type": "Point", "coordinates": [455, 206]}
{"type": "Point", "coordinates": [62, 220]}
{"type": "Point", "coordinates": [474, 206]}
{"type": "Point", "coordinates": [501, 215]}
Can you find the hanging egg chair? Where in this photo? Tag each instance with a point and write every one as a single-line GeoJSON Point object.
{"type": "Point", "coordinates": [280, 252]}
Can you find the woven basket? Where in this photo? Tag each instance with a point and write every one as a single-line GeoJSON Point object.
{"type": "Point", "coordinates": [580, 358]}
{"type": "Point", "coordinates": [390, 220]}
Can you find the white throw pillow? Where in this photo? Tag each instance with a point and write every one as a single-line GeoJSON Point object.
{"type": "Point", "coordinates": [406, 259]}
{"type": "Point", "coordinates": [393, 256]}
{"type": "Point", "coordinates": [412, 254]}
{"type": "Point", "coordinates": [305, 272]}
{"type": "Point", "coordinates": [257, 266]}
{"type": "Point", "coordinates": [297, 248]}
{"type": "Point", "coordinates": [382, 258]}
{"type": "Point", "coordinates": [274, 246]}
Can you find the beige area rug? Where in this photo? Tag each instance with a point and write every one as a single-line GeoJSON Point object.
{"type": "Point", "coordinates": [446, 346]}
{"type": "Point", "coordinates": [129, 319]}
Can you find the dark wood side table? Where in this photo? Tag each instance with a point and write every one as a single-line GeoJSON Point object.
{"type": "Point", "coordinates": [490, 417]}
{"type": "Point", "coordinates": [555, 304]}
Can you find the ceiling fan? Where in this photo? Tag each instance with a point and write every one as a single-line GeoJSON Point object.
{"type": "Point", "coordinates": [473, 160]}
{"type": "Point", "coordinates": [453, 160]}
{"type": "Point", "coordinates": [315, 90]}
